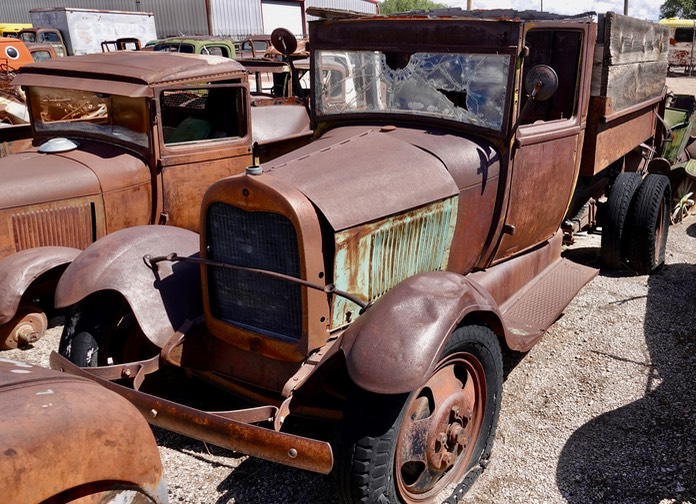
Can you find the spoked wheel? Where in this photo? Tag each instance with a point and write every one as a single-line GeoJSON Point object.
{"type": "Point", "coordinates": [422, 447]}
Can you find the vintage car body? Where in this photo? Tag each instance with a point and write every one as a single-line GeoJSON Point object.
{"type": "Point", "coordinates": [52, 36]}
{"type": "Point", "coordinates": [369, 280]}
{"type": "Point", "coordinates": [119, 166]}
{"type": "Point", "coordinates": [77, 444]}
{"type": "Point", "coordinates": [13, 54]}
{"type": "Point", "coordinates": [215, 46]}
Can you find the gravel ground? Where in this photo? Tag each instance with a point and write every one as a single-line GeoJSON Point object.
{"type": "Point", "coordinates": [601, 410]}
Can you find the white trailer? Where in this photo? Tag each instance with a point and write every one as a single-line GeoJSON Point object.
{"type": "Point", "coordinates": [84, 30]}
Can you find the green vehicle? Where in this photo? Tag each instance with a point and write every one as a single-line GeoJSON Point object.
{"type": "Point", "coordinates": [216, 46]}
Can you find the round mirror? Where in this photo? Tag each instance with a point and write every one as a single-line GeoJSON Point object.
{"type": "Point", "coordinates": [283, 41]}
{"type": "Point", "coordinates": [541, 82]}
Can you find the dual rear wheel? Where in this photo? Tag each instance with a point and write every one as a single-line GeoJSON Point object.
{"type": "Point", "coordinates": [636, 223]}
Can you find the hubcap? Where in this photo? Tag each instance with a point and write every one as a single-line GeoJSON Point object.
{"type": "Point", "coordinates": [440, 429]}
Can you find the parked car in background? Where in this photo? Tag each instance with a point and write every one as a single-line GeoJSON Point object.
{"type": "Point", "coordinates": [12, 29]}
{"type": "Point", "coordinates": [13, 54]}
{"type": "Point", "coordinates": [682, 41]}
{"type": "Point", "coordinates": [66, 439]}
{"type": "Point", "coordinates": [50, 36]}
{"type": "Point", "coordinates": [253, 46]}
{"type": "Point", "coordinates": [214, 46]}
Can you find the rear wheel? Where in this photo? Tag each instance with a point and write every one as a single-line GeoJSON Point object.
{"type": "Point", "coordinates": [429, 445]}
{"type": "Point", "coordinates": [613, 251]}
{"type": "Point", "coordinates": [649, 225]}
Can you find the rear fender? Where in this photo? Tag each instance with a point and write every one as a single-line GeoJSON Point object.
{"type": "Point", "coordinates": [19, 270]}
{"type": "Point", "coordinates": [394, 346]}
{"type": "Point", "coordinates": [161, 301]}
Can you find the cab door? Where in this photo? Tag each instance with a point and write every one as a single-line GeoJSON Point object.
{"type": "Point", "coordinates": [204, 136]}
{"type": "Point", "coordinates": [545, 157]}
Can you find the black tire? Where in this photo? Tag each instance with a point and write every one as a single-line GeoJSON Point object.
{"type": "Point", "coordinates": [649, 225]}
{"type": "Point", "coordinates": [375, 461]}
{"type": "Point", "coordinates": [100, 327]}
{"type": "Point", "coordinates": [613, 248]}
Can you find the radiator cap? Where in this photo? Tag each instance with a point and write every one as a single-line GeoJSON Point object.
{"type": "Point", "coordinates": [55, 145]}
{"type": "Point", "coordinates": [254, 170]}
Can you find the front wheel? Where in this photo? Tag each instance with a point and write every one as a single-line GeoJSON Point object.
{"type": "Point", "coordinates": [425, 446]}
{"type": "Point", "coordinates": [102, 330]}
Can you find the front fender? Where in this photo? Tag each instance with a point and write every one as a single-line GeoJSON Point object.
{"type": "Point", "coordinates": [394, 346]}
{"type": "Point", "coordinates": [162, 301]}
{"type": "Point", "coordinates": [19, 270]}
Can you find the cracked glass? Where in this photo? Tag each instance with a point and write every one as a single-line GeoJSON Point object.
{"type": "Point", "coordinates": [466, 88]}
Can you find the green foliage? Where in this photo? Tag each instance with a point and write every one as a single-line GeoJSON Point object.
{"type": "Point", "coordinates": [394, 6]}
{"type": "Point", "coordinates": [685, 9]}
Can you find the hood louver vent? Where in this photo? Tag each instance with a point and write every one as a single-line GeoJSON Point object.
{"type": "Point", "coordinates": [70, 226]}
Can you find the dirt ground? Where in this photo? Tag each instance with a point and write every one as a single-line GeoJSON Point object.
{"type": "Point", "coordinates": [602, 410]}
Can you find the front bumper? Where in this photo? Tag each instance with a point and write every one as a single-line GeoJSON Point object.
{"type": "Point", "coordinates": [230, 429]}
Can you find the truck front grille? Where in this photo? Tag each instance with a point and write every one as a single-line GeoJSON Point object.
{"type": "Point", "coordinates": [260, 240]}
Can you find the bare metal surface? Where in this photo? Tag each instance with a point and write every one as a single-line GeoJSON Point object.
{"type": "Point", "coordinates": [75, 437]}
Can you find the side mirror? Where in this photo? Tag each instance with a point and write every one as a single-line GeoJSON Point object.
{"type": "Point", "coordinates": [284, 41]}
{"type": "Point", "coordinates": [541, 82]}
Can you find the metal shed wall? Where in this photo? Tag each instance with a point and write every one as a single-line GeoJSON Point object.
{"type": "Point", "coordinates": [365, 6]}
{"type": "Point", "coordinates": [236, 18]}
{"type": "Point", "coordinates": [172, 17]}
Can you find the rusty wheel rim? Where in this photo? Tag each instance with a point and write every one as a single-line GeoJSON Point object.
{"type": "Point", "coordinates": [440, 428]}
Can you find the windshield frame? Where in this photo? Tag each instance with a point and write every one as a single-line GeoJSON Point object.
{"type": "Point", "coordinates": [133, 111]}
{"type": "Point", "coordinates": [422, 85]}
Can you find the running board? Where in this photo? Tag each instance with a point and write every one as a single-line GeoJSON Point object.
{"type": "Point", "coordinates": [531, 311]}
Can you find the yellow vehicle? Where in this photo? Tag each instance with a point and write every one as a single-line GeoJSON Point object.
{"type": "Point", "coordinates": [12, 29]}
{"type": "Point", "coordinates": [681, 43]}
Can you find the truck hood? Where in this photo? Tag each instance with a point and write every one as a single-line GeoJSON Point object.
{"type": "Point", "coordinates": [31, 177]}
{"type": "Point", "coordinates": [382, 170]}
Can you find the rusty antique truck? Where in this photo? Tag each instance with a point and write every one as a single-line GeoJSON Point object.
{"type": "Point", "coordinates": [120, 139]}
{"type": "Point", "coordinates": [347, 304]}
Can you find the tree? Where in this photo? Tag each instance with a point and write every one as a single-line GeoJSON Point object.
{"type": "Point", "coordinates": [685, 9]}
{"type": "Point", "coordinates": [394, 6]}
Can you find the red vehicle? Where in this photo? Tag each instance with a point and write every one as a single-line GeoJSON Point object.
{"type": "Point", "coordinates": [355, 296]}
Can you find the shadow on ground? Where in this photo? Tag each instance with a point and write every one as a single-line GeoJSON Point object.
{"type": "Point", "coordinates": [645, 452]}
{"type": "Point", "coordinates": [253, 480]}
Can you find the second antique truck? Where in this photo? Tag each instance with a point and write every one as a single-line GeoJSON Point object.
{"type": "Point", "coordinates": [349, 302]}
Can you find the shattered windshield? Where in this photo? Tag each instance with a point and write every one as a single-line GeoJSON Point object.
{"type": "Point", "coordinates": [467, 88]}
{"type": "Point", "coordinates": [65, 110]}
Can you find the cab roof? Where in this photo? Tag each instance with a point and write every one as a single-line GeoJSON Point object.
{"type": "Point", "coordinates": [130, 73]}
